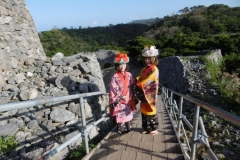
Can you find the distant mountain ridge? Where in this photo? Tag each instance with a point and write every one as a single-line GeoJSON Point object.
{"type": "Point", "coordinates": [150, 21]}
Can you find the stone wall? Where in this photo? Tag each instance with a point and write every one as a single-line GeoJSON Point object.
{"type": "Point", "coordinates": [40, 128]}
{"type": "Point", "coordinates": [188, 75]}
{"type": "Point", "coordinates": [18, 38]}
{"type": "Point", "coordinates": [106, 57]}
{"type": "Point", "coordinates": [27, 74]}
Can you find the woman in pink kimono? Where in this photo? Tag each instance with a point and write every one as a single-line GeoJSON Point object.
{"type": "Point", "coordinates": [120, 94]}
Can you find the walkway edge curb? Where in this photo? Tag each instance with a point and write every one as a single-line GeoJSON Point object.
{"type": "Point", "coordinates": [89, 155]}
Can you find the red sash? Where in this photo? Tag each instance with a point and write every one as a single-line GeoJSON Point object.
{"type": "Point", "coordinates": [125, 83]}
{"type": "Point", "coordinates": [143, 76]}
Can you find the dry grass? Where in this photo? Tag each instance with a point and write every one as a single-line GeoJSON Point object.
{"type": "Point", "coordinates": [231, 84]}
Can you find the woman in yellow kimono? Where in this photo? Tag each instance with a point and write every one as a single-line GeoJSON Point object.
{"type": "Point", "coordinates": [147, 83]}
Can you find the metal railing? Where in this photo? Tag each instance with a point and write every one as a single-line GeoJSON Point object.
{"type": "Point", "coordinates": [175, 114]}
{"type": "Point", "coordinates": [199, 134]}
{"type": "Point", "coordinates": [85, 128]}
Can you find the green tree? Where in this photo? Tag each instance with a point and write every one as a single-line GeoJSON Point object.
{"type": "Point", "coordinates": [232, 63]}
{"type": "Point", "coordinates": [136, 45]}
{"type": "Point", "coordinates": [168, 52]}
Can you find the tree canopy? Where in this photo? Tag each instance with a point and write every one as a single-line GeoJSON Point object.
{"type": "Point", "coordinates": [193, 29]}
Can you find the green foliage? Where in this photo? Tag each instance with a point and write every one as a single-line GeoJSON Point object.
{"type": "Point", "coordinates": [194, 29]}
{"type": "Point", "coordinates": [199, 28]}
{"type": "Point", "coordinates": [72, 41]}
{"type": "Point", "coordinates": [146, 21]}
{"type": "Point", "coordinates": [215, 69]}
{"type": "Point", "coordinates": [229, 84]}
{"type": "Point", "coordinates": [58, 41]}
{"type": "Point", "coordinates": [7, 144]}
{"type": "Point", "coordinates": [232, 63]}
{"type": "Point", "coordinates": [136, 46]}
{"type": "Point", "coordinates": [168, 52]}
{"type": "Point", "coordinates": [80, 152]}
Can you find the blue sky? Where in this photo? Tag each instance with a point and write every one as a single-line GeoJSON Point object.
{"type": "Point", "coordinates": [48, 14]}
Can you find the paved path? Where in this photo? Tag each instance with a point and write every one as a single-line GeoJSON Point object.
{"type": "Point", "coordinates": [138, 146]}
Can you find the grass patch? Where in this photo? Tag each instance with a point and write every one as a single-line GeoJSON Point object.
{"type": "Point", "coordinates": [229, 84]}
{"type": "Point", "coordinates": [7, 144]}
{"type": "Point", "coordinates": [80, 151]}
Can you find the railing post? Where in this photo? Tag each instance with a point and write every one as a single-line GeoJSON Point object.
{"type": "Point", "coordinates": [165, 97]}
{"type": "Point", "coordinates": [171, 103]}
{"type": "Point", "coordinates": [195, 129]}
{"type": "Point", "coordinates": [84, 126]}
{"type": "Point", "coordinates": [201, 125]}
{"type": "Point", "coordinates": [180, 116]}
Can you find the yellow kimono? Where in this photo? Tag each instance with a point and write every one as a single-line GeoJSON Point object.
{"type": "Point", "coordinates": [148, 82]}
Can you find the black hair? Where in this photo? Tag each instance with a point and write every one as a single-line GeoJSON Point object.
{"type": "Point", "coordinates": [117, 65]}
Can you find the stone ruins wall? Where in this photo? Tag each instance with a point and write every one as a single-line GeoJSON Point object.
{"type": "Point", "coordinates": [18, 38]}
{"type": "Point", "coordinates": [27, 74]}
{"type": "Point", "coordinates": [187, 74]}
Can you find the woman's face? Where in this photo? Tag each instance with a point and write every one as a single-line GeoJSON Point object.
{"type": "Point", "coordinates": [148, 61]}
{"type": "Point", "coordinates": [122, 67]}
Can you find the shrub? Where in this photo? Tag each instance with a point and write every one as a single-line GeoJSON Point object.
{"type": "Point", "coordinates": [215, 69]}
{"type": "Point", "coordinates": [168, 52]}
{"type": "Point", "coordinates": [7, 143]}
{"type": "Point", "coordinates": [229, 84]}
{"type": "Point", "coordinates": [80, 152]}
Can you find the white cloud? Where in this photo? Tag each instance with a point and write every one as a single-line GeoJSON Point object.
{"type": "Point", "coordinates": [95, 23]}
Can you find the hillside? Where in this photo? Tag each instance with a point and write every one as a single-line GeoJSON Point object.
{"type": "Point", "coordinates": [150, 21]}
{"type": "Point", "coordinates": [198, 28]}
{"type": "Point", "coordinates": [72, 41]}
{"type": "Point", "coordinates": [194, 29]}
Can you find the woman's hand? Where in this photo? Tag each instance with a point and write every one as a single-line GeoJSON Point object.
{"type": "Point", "coordinates": [125, 98]}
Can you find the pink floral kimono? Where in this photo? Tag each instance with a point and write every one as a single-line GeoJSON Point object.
{"type": "Point", "coordinates": [122, 111]}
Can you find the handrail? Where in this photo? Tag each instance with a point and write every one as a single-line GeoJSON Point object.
{"type": "Point", "coordinates": [224, 114]}
{"type": "Point", "coordinates": [198, 136]}
{"type": "Point", "coordinates": [31, 103]}
{"type": "Point", "coordinates": [85, 128]}
{"type": "Point", "coordinates": [176, 115]}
